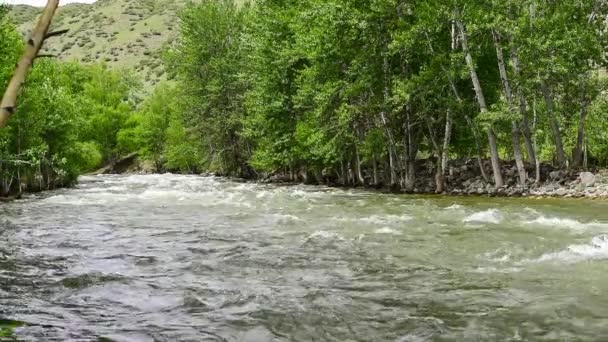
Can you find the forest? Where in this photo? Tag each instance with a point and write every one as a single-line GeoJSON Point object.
{"type": "Point", "coordinates": [348, 92]}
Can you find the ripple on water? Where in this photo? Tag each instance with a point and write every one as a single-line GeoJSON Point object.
{"type": "Point", "coordinates": [188, 258]}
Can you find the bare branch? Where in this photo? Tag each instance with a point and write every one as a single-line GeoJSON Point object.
{"type": "Point", "coordinates": [46, 56]}
{"type": "Point", "coordinates": [56, 33]}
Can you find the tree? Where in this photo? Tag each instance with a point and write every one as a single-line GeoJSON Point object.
{"type": "Point", "coordinates": [212, 68]}
{"type": "Point", "coordinates": [34, 44]}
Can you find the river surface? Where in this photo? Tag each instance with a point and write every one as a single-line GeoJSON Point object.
{"type": "Point", "coordinates": [186, 258]}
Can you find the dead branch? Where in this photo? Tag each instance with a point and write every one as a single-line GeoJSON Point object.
{"type": "Point", "coordinates": [46, 56]}
{"type": "Point", "coordinates": [56, 33]}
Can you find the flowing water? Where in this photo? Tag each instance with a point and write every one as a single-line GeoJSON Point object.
{"type": "Point", "coordinates": [185, 258]}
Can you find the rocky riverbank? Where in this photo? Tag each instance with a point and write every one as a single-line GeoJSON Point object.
{"type": "Point", "coordinates": [464, 179]}
{"type": "Point", "coordinates": [585, 185]}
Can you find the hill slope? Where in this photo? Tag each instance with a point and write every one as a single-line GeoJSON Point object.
{"type": "Point", "coordinates": [123, 33]}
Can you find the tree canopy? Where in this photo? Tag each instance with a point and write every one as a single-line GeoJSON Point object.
{"type": "Point", "coordinates": [362, 90]}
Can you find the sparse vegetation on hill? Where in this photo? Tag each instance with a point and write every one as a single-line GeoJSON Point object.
{"type": "Point", "coordinates": [122, 33]}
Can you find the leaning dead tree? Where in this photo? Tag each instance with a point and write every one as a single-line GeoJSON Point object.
{"type": "Point", "coordinates": [32, 48]}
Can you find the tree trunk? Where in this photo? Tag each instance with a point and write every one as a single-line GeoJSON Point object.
{"type": "Point", "coordinates": [498, 181]}
{"type": "Point", "coordinates": [410, 176]}
{"type": "Point", "coordinates": [391, 166]}
{"type": "Point", "coordinates": [447, 137]}
{"type": "Point", "coordinates": [504, 77]}
{"type": "Point", "coordinates": [525, 124]}
{"type": "Point", "coordinates": [319, 177]}
{"type": "Point", "coordinates": [577, 156]}
{"type": "Point", "coordinates": [360, 177]}
{"type": "Point", "coordinates": [391, 142]}
{"type": "Point", "coordinates": [343, 173]}
{"type": "Point", "coordinates": [439, 178]}
{"type": "Point", "coordinates": [534, 123]}
{"type": "Point", "coordinates": [519, 160]}
{"type": "Point", "coordinates": [439, 172]}
{"type": "Point", "coordinates": [410, 155]}
{"type": "Point", "coordinates": [375, 170]}
{"type": "Point", "coordinates": [467, 118]}
{"type": "Point", "coordinates": [476, 137]}
{"type": "Point", "coordinates": [33, 46]}
{"type": "Point", "coordinates": [557, 137]}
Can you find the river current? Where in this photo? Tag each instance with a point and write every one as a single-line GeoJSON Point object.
{"type": "Point", "coordinates": [188, 258]}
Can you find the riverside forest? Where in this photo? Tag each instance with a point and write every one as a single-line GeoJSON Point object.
{"type": "Point", "coordinates": [310, 170]}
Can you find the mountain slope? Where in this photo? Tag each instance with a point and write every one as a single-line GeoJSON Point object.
{"type": "Point", "coordinates": [122, 33]}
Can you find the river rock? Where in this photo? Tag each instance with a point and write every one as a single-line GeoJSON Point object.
{"type": "Point", "coordinates": [587, 179]}
{"type": "Point", "coordinates": [560, 192]}
{"type": "Point", "coordinates": [556, 175]}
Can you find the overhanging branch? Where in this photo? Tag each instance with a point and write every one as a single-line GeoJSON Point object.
{"type": "Point", "coordinates": [32, 48]}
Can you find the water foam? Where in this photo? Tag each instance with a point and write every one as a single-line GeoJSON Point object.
{"type": "Point", "coordinates": [285, 218]}
{"type": "Point", "coordinates": [96, 199]}
{"type": "Point", "coordinates": [454, 207]}
{"type": "Point", "coordinates": [387, 230]}
{"type": "Point", "coordinates": [488, 216]}
{"type": "Point", "coordinates": [386, 219]}
{"type": "Point", "coordinates": [594, 250]}
{"type": "Point", "coordinates": [558, 222]}
{"type": "Point", "coordinates": [324, 235]}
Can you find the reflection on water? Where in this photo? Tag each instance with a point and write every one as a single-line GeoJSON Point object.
{"type": "Point", "coordinates": [185, 258]}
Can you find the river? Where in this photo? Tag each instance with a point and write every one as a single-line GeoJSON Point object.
{"type": "Point", "coordinates": [187, 258]}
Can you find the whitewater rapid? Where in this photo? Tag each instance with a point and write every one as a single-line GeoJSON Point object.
{"type": "Point", "coordinates": [189, 258]}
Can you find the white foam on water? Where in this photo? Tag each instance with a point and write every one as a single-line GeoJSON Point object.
{"type": "Point", "coordinates": [97, 190]}
{"type": "Point", "coordinates": [497, 257]}
{"type": "Point", "coordinates": [263, 194]}
{"type": "Point", "coordinates": [324, 235]}
{"type": "Point", "coordinates": [488, 216]}
{"type": "Point", "coordinates": [188, 190]}
{"type": "Point", "coordinates": [492, 269]}
{"type": "Point", "coordinates": [96, 199]}
{"type": "Point", "coordinates": [244, 187]}
{"type": "Point", "coordinates": [386, 219]}
{"type": "Point", "coordinates": [454, 207]}
{"type": "Point", "coordinates": [596, 249]}
{"type": "Point", "coordinates": [558, 222]}
{"type": "Point", "coordinates": [531, 211]}
{"type": "Point", "coordinates": [387, 230]}
{"type": "Point", "coordinates": [285, 218]}
{"type": "Point", "coordinates": [308, 193]}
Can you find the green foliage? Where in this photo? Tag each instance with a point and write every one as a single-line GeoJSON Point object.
{"type": "Point", "coordinates": [213, 98]}
{"type": "Point", "coordinates": [597, 130]}
{"type": "Point", "coordinates": [10, 48]}
{"type": "Point", "coordinates": [158, 133]}
{"type": "Point", "coordinates": [66, 123]}
{"type": "Point", "coordinates": [7, 328]}
{"type": "Point", "coordinates": [106, 105]}
{"type": "Point", "coordinates": [317, 85]}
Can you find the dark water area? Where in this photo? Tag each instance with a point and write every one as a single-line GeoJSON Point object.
{"type": "Point", "coordinates": [186, 258]}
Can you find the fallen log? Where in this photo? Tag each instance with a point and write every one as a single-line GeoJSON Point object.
{"type": "Point", "coordinates": [118, 166]}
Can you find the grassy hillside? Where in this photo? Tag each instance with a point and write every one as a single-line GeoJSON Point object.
{"type": "Point", "coordinates": [123, 33]}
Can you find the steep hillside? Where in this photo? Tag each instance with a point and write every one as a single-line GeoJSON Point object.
{"type": "Point", "coordinates": [123, 33]}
